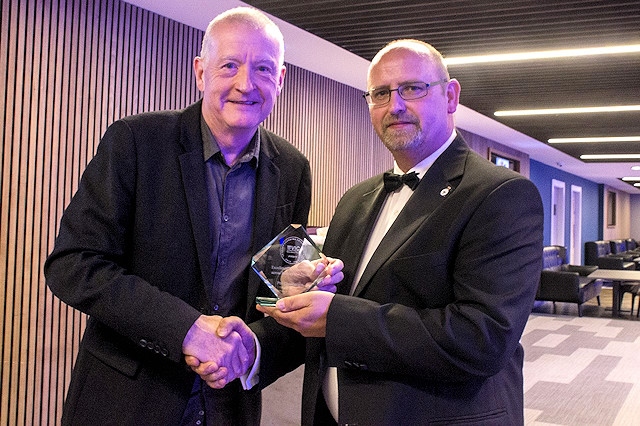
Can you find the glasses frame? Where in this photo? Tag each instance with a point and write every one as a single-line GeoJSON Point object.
{"type": "Point", "coordinates": [367, 95]}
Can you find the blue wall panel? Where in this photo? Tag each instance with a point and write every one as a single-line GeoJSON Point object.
{"type": "Point", "coordinates": [541, 175]}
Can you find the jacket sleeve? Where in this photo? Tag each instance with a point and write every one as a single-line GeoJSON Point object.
{"type": "Point", "coordinates": [91, 266]}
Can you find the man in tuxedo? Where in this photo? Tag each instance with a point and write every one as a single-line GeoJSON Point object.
{"type": "Point", "coordinates": [155, 246]}
{"type": "Point", "coordinates": [442, 259]}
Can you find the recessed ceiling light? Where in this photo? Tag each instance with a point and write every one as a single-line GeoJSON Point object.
{"type": "Point", "coordinates": [548, 54]}
{"type": "Point", "coordinates": [554, 111]}
{"type": "Point", "coordinates": [596, 140]}
{"type": "Point", "coordinates": [637, 184]}
{"type": "Point", "coordinates": [635, 168]}
{"type": "Point", "coordinates": [610, 157]}
{"type": "Point", "coordinates": [631, 179]}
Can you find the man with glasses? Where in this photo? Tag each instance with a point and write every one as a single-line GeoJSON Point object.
{"type": "Point", "coordinates": [442, 259]}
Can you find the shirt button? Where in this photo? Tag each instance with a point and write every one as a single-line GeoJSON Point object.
{"type": "Point", "coordinates": [216, 307]}
{"type": "Point", "coordinates": [225, 218]}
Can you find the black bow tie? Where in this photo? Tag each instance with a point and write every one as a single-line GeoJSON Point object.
{"type": "Point", "coordinates": [393, 181]}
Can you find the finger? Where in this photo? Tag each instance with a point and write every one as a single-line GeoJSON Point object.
{"type": "Point", "coordinates": [230, 324]}
{"type": "Point", "coordinates": [192, 361]}
{"type": "Point", "coordinates": [293, 303]}
{"type": "Point", "coordinates": [210, 369]}
{"type": "Point", "coordinates": [216, 384]}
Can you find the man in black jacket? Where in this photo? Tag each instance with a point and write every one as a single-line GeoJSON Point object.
{"type": "Point", "coordinates": [156, 243]}
{"type": "Point", "coordinates": [440, 272]}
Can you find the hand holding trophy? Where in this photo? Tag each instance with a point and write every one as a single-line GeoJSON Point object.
{"type": "Point", "coordinates": [290, 264]}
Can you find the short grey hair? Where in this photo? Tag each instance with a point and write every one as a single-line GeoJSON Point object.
{"type": "Point", "coordinates": [247, 16]}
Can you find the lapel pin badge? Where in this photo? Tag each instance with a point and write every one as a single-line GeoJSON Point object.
{"type": "Point", "coordinates": [445, 191]}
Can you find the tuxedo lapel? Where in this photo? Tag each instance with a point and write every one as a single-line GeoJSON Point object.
{"type": "Point", "coordinates": [362, 223]}
{"type": "Point", "coordinates": [435, 186]}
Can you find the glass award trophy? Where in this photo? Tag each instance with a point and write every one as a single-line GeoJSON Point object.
{"type": "Point", "coordinates": [288, 264]}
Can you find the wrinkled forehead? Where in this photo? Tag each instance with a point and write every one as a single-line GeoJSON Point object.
{"type": "Point", "coordinates": [235, 30]}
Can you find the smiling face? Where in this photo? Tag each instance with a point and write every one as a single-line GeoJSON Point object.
{"type": "Point", "coordinates": [414, 129]}
{"type": "Point", "coordinates": [240, 76]}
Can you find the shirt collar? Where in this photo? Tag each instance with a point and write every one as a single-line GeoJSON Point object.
{"type": "Point", "coordinates": [210, 145]}
{"type": "Point", "coordinates": [422, 167]}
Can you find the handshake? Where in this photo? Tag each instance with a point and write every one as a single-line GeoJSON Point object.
{"type": "Point", "coordinates": [221, 350]}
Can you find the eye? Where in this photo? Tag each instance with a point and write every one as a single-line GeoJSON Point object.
{"type": "Point", "coordinates": [264, 69]}
{"type": "Point", "coordinates": [229, 66]}
{"type": "Point", "coordinates": [412, 90]}
{"type": "Point", "coordinates": [380, 94]}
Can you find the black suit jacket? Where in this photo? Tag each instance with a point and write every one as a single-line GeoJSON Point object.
{"type": "Point", "coordinates": [432, 336]}
{"type": "Point", "coordinates": [133, 252]}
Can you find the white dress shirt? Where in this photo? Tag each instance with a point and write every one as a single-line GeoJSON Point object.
{"type": "Point", "coordinates": [393, 205]}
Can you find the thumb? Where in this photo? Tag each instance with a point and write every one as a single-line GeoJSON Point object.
{"type": "Point", "coordinates": [292, 303]}
{"type": "Point", "coordinates": [229, 324]}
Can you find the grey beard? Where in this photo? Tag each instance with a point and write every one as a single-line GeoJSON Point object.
{"type": "Point", "coordinates": [405, 141]}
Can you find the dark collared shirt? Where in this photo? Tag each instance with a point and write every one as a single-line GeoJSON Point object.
{"type": "Point", "coordinates": [231, 194]}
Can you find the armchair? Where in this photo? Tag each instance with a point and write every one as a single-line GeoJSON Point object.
{"type": "Point", "coordinates": [598, 253]}
{"type": "Point", "coordinates": [560, 282]}
{"type": "Point", "coordinates": [619, 248]}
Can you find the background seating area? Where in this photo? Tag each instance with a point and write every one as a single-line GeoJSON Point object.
{"type": "Point", "coordinates": [561, 282]}
{"type": "Point", "coordinates": [616, 254]}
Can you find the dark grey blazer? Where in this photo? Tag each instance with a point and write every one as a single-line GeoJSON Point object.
{"type": "Point", "coordinates": [133, 252]}
{"type": "Point", "coordinates": [433, 335]}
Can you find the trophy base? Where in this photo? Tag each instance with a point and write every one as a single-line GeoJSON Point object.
{"type": "Point", "coordinates": [266, 301]}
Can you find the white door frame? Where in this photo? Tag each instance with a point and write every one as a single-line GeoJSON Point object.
{"type": "Point", "coordinates": [575, 236]}
{"type": "Point", "coordinates": [557, 212]}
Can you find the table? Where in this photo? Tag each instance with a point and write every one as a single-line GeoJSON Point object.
{"type": "Point", "coordinates": [616, 276]}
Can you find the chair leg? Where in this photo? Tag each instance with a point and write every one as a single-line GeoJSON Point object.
{"type": "Point", "coordinates": [598, 299]}
{"type": "Point", "coordinates": [579, 309]}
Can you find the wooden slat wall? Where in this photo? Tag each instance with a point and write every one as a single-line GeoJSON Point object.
{"type": "Point", "coordinates": [67, 70]}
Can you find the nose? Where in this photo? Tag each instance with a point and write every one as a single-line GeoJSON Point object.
{"type": "Point", "coordinates": [396, 103]}
{"type": "Point", "coordinates": [244, 79]}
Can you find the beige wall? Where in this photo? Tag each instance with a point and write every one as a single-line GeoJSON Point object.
{"type": "Point", "coordinates": [622, 228]}
{"type": "Point", "coordinates": [71, 68]}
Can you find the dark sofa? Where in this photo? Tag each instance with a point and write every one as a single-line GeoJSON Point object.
{"type": "Point", "coordinates": [598, 253]}
{"type": "Point", "coordinates": [560, 282]}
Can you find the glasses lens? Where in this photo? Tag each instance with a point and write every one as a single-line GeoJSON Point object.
{"type": "Point", "coordinates": [413, 90]}
{"type": "Point", "coordinates": [380, 96]}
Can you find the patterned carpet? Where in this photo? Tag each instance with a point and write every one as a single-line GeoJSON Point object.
{"type": "Point", "coordinates": [578, 371]}
{"type": "Point", "coordinates": [581, 371]}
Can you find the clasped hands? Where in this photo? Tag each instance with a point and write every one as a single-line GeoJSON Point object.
{"type": "Point", "coordinates": [221, 350]}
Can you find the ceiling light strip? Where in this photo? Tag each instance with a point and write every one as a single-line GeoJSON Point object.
{"type": "Point", "coordinates": [549, 54]}
{"type": "Point", "coordinates": [610, 157]}
{"type": "Point", "coordinates": [555, 111]}
{"type": "Point", "coordinates": [596, 139]}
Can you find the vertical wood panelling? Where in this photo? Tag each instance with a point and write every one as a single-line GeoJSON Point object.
{"type": "Point", "coordinates": [67, 70]}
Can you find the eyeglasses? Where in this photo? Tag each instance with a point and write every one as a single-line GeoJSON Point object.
{"type": "Point", "coordinates": [408, 92]}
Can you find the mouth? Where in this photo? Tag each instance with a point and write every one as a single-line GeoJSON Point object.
{"type": "Point", "coordinates": [395, 124]}
{"type": "Point", "coordinates": [249, 103]}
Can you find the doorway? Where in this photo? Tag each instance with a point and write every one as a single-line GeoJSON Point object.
{"type": "Point", "coordinates": [575, 237]}
{"type": "Point", "coordinates": [557, 212]}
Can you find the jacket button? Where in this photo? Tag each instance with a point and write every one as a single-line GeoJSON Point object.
{"type": "Point", "coordinates": [143, 343]}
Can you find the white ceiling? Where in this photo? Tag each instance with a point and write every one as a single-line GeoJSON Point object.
{"type": "Point", "coordinates": [352, 71]}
